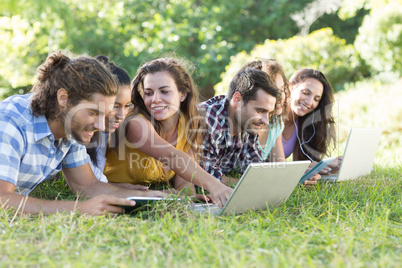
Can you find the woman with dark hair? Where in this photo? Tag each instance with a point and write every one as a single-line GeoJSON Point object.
{"type": "Point", "coordinates": [310, 131]}
{"type": "Point", "coordinates": [162, 138]}
{"type": "Point", "coordinates": [97, 148]}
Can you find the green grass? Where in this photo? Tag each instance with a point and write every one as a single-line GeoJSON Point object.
{"type": "Point", "coordinates": [350, 224]}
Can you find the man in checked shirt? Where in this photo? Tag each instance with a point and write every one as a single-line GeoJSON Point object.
{"type": "Point", "coordinates": [43, 132]}
{"type": "Point", "coordinates": [233, 122]}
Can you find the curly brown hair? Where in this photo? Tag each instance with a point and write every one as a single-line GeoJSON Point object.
{"type": "Point", "coordinates": [81, 77]}
{"type": "Point", "coordinates": [273, 68]}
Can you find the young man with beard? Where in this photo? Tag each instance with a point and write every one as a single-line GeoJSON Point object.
{"type": "Point", "coordinates": [39, 134]}
{"type": "Point", "coordinates": [233, 122]}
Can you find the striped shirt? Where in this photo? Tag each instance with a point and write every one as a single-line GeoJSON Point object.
{"type": "Point", "coordinates": [29, 154]}
{"type": "Point", "coordinates": [221, 151]}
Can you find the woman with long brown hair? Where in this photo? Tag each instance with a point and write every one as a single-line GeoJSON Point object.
{"type": "Point", "coordinates": [162, 138]}
{"type": "Point", "coordinates": [310, 131]}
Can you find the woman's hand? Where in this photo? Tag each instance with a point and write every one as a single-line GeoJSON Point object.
{"type": "Point", "coordinates": [203, 198]}
{"type": "Point", "coordinates": [220, 194]}
{"type": "Point", "coordinates": [325, 171]}
{"type": "Point", "coordinates": [336, 164]}
{"type": "Point", "coordinates": [312, 181]}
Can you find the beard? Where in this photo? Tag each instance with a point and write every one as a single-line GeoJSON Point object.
{"type": "Point", "coordinates": [245, 122]}
{"type": "Point", "coordinates": [69, 126]}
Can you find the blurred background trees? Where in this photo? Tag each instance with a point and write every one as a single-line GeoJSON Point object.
{"type": "Point", "coordinates": [360, 38]}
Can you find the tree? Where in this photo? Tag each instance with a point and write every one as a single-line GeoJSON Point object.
{"type": "Point", "coordinates": [380, 39]}
{"type": "Point", "coordinates": [320, 50]}
{"type": "Point", "coordinates": [206, 32]}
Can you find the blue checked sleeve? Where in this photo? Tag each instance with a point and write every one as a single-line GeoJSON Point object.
{"type": "Point", "coordinates": [11, 149]}
{"type": "Point", "coordinates": [98, 172]}
{"type": "Point", "coordinates": [76, 156]}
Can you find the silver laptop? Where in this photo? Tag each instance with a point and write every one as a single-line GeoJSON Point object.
{"type": "Point", "coordinates": [262, 185]}
{"type": "Point", "coordinates": [359, 154]}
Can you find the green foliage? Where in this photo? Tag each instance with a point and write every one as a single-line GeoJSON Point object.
{"type": "Point", "coordinates": [380, 39]}
{"type": "Point", "coordinates": [319, 50]}
{"type": "Point", "coordinates": [22, 51]}
{"type": "Point", "coordinates": [349, 9]}
{"type": "Point", "coordinates": [345, 28]}
{"type": "Point", "coordinates": [131, 32]}
{"type": "Point", "coordinates": [372, 104]}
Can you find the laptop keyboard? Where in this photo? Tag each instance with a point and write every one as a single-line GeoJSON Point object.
{"type": "Point", "coordinates": [205, 208]}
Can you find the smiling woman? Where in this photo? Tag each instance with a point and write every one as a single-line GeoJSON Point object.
{"type": "Point", "coordinates": [310, 131]}
{"type": "Point", "coordinates": [162, 136]}
{"type": "Point", "coordinates": [162, 98]}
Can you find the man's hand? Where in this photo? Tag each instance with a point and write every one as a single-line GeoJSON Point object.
{"type": "Point", "coordinates": [107, 205]}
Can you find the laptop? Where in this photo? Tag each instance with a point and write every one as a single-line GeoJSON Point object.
{"type": "Point", "coordinates": [262, 185]}
{"type": "Point", "coordinates": [359, 155]}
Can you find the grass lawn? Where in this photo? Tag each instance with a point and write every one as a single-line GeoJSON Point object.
{"type": "Point", "coordinates": [349, 224]}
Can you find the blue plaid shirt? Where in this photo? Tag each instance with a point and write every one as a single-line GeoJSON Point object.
{"type": "Point", "coordinates": [29, 154]}
{"type": "Point", "coordinates": [222, 152]}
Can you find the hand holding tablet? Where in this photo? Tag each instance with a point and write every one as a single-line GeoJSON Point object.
{"type": "Point", "coordinates": [317, 168]}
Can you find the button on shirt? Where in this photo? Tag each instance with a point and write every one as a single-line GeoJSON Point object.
{"type": "Point", "coordinates": [29, 154]}
{"type": "Point", "coordinates": [222, 152]}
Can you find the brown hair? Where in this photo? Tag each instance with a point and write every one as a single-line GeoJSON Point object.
{"type": "Point", "coordinates": [177, 69]}
{"type": "Point", "coordinates": [124, 80]}
{"type": "Point", "coordinates": [248, 81]}
{"type": "Point", "coordinates": [273, 68]}
{"type": "Point", "coordinates": [81, 77]}
{"type": "Point", "coordinates": [324, 138]}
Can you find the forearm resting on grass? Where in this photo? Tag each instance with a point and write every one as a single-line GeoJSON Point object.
{"type": "Point", "coordinates": [83, 183]}
{"type": "Point", "coordinates": [99, 205]}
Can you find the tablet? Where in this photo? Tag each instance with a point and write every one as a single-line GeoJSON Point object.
{"type": "Point", "coordinates": [317, 168]}
{"type": "Point", "coordinates": [141, 201]}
